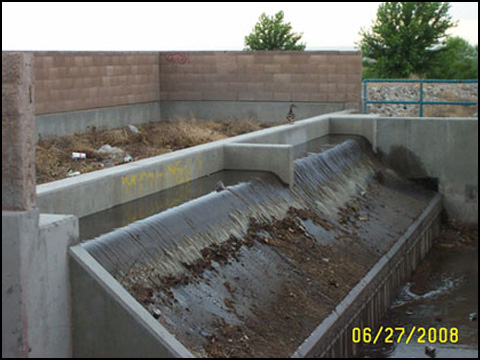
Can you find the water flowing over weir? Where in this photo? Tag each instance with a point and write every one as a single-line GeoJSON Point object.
{"type": "Point", "coordinates": [254, 269]}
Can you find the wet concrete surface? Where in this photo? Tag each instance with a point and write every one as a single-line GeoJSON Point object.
{"type": "Point", "coordinates": [253, 270]}
{"type": "Point", "coordinates": [442, 293]}
{"type": "Point", "coordinates": [103, 222]}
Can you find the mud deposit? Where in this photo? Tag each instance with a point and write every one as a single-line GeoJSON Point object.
{"type": "Point", "coordinates": [253, 270]}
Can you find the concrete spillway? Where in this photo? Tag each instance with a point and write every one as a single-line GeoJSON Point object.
{"type": "Point", "coordinates": [255, 270]}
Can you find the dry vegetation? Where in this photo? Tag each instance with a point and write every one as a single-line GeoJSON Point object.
{"type": "Point", "coordinates": [54, 156]}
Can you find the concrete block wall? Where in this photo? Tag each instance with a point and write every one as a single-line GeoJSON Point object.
{"type": "Point", "coordinates": [69, 81]}
{"type": "Point", "coordinates": [262, 76]}
{"type": "Point", "coordinates": [76, 90]}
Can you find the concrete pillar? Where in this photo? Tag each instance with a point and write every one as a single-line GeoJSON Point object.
{"type": "Point", "coordinates": [18, 132]}
{"type": "Point", "coordinates": [19, 216]}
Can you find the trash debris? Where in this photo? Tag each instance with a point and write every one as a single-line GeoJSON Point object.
{"type": "Point", "coordinates": [363, 218]}
{"type": "Point", "coordinates": [430, 350]}
{"type": "Point", "coordinates": [473, 316]}
{"type": "Point", "coordinates": [78, 155]}
{"type": "Point", "coordinates": [127, 158]}
{"type": "Point", "coordinates": [133, 129]}
{"type": "Point", "coordinates": [109, 151]}
{"type": "Point", "coordinates": [73, 173]}
{"type": "Point", "coordinates": [156, 313]}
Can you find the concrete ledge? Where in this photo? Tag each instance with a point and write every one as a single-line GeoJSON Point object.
{"type": "Point", "coordinates": [100, 190]}
{"type": "Point", "coordinates": [369, 300]}
{"type": "Point", "coordinates": [119, 326]}
{"type": "Point", "coordinates": [277, 159]}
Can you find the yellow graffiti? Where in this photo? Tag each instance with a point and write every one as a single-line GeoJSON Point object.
{"type": "Point", "coordinates": [175, 173]}
{"type": "Point", "coordinates": [179, 195]}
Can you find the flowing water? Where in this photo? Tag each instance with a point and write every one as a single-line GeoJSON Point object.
{"type": "Point", "coordinates": [442, 294]}
{"type": "Point", "coordinates": [223, 265]}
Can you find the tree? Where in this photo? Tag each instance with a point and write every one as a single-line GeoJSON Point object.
{"type": "Point", "coordinates": [456, 60]}
{"type": "Point", "coordinates": [272, 33]}
{"type": "Point", "coordinates": [405, 37]}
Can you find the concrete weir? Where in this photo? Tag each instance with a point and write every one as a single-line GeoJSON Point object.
{"type": "Point", "coordinates": [108, 320]}
{"type": "Point", "coordinates": [259, 269]}
{"type": "Point", "coordinates": [282, 265]}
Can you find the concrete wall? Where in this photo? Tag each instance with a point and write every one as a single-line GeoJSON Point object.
{"type": "Point", "coordinates": [48, 301]}
{"type": "Point", "coordinates": [109, 322]}
{"type": "Point", "coordinates": [368, 302]}
{"type": "Point", "coordinates": [329, 76]}
{"type": "Point", "coordinates": [93, 192]}
{"type": "Point", "coordinates": [35, 295]}
{"type": "Point", "coordinates": [19, 233]}
{"type": "Point", "coordinates": [446, 149]}
{"type": "Point", "coordinates": [67, 123]}
{"type": "Point", "coordinates": [18, 132]}
{"type": "Point", "coordinates": [441, 148]}
{"type": "Point", "coordinates": [110, 89]}
{"type": "Point", "coordinates": [265, 111]}
{"type": "Point", "coordinates": [19, 216]}
{"type": "Point", "coordinates": [68, 81]}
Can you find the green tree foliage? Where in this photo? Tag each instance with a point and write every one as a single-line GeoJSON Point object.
{"type": "Point", "coordinates": [272, 33]}
{"type": "Point", "coordinates": [456, 60]}
{"type": "Point", "coordinates": [404, 38]}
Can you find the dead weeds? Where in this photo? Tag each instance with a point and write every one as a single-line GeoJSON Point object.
{"type": "Point", "coordinates": [54, 156]}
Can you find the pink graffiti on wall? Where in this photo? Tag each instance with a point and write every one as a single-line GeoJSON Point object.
{"type": "Point", "coordinates": [179, 58]}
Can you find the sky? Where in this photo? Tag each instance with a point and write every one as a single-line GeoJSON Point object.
{"type": "Point", "coordinates": [191, 26]}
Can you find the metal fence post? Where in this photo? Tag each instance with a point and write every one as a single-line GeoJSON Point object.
{"type": "Point", "coordinates": [421, 98]}
{"type": "Point", "coordinates": [365, 96]}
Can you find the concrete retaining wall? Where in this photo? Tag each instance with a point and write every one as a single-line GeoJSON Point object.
{"type": "Point", "coordinates": [111, 89]}
{"type": "Point", "coordinates": [121, 326]}
{"type": "Point", "coordinates": [109, 322]}
{"type": "Point", "coordinates": [67, 123]}
{"type": "Point", "coordinates": [264, 111]}
{"type": "Point", "coordinates": [441, 148]}
{"type": "Point", "coordinates": [100, 190]}
{"type": "Point", "coordinates": [369, 301]}
{"type": "Point", "coordinates": [446, 149]}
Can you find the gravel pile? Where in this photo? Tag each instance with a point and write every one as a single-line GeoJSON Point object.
{"type": "Point", "coordinates": [431, 92]}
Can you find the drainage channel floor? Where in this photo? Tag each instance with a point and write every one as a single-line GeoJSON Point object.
{"type": "Point", "coordinates": [270, 281]}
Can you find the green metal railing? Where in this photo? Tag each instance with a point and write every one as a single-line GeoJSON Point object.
{"type": "Point", "coordinates": [421, 102]}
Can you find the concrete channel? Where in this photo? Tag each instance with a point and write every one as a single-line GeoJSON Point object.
{"type": "Point", "coordinates": [108, 320]}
